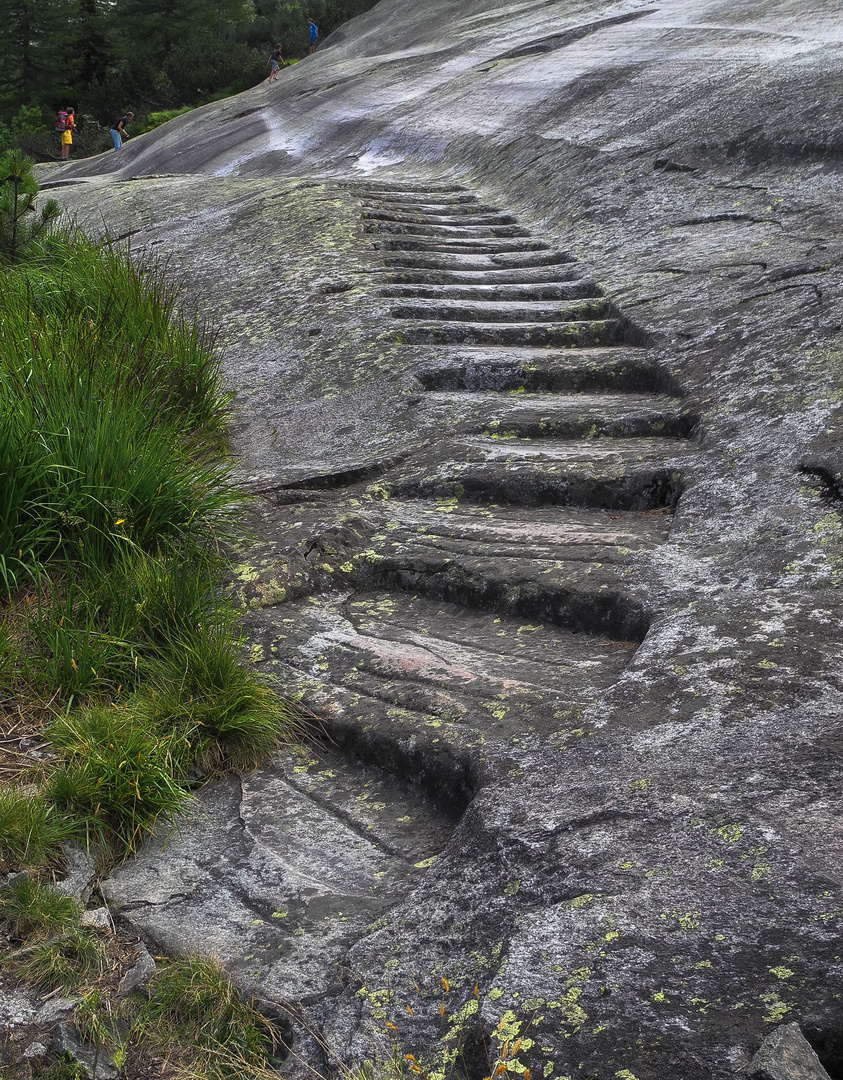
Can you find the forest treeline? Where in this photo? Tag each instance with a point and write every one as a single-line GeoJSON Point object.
{"type": "Point", "coordinates": [151, 56]}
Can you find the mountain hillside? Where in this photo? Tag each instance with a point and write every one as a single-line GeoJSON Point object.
{"type": "Point", "coordinates": [532, 315]}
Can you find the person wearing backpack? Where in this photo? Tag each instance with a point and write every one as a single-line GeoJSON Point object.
{"type": "Point", "coordinates": [314, 34]}
{"type": "Point", "coordinates": [118, 129]}
{"type": "Point", "coordinates": [66, 125]}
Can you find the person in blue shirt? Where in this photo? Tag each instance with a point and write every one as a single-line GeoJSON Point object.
{"type": "Point", "coordinates": [314, 34]}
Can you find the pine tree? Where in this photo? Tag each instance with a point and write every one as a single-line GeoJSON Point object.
{"type": "Point", "coordinates": [153, 29]}
{"type": "Point", "coordinates": [20, 223]}
{"type": "Point", "coordinates": [34, 45]}
{"type": "Point", "coordinates": [92, 50]}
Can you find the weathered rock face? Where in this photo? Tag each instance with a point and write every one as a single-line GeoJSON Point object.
{"type": "Point", "coordinates": [533, 317]}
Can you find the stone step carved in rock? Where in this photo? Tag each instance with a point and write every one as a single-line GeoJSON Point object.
{"type": "Point", "coordinates": [505, 311]}
{"type": "Point", "coordinates": [576, 334]}
{"type": "Point", "coordinates": [568, 576]}
{"type": "Point", "coordinates": [506, 416]}
{"type": "Point", "coordinates": [456, 210]}
{"type": "Point", "coordinates": [460, 216]}
{"type": "Point", "coordinates": [506, 291]}
{"type": "Point", "coordinates": [446, 676]}
{"type": "Point", "coordinates": [450, 260]}
{"type": "Point", "coordinates": [490, 277]}
{"type": "Point", "coordinates": [278, 872]}
{"type": "Point", "coordinates": [621, 474]}
{"type": "Point", "coordinates": [465, 245]}
{"type": "Point", "coordinates": [443, 230]}
{"type": "Point", "coordinates": [417, 193]}
{"type": "Point", "coordinates": [479, 368]}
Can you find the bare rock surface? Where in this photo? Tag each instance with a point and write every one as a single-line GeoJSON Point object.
{"type": "Point", "coordinates": [786, 1055]}
{"type": "Point", "coordinates": [138, 974]}
{"type": "Point", "coordinates": [278, 873]}
{"type": "Point", "coordinates": [532, 314]}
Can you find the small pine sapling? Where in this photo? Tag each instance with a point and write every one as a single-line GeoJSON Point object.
{"type": "Point", "coordinates": [20, 223]}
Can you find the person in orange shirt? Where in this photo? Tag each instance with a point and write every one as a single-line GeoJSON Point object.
{"type": "Point", "coordinates": [67, 135]}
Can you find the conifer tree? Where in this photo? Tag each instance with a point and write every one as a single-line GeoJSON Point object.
{"type": "Point", "coordinates": [20, 223]}
{"type": "Point", "coordinates": [34, 45]}
{"type": "Point", "coordinates": [91, 49]}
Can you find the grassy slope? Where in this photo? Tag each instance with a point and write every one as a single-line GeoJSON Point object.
{"type": "Point", "coordinates": [118, 651]}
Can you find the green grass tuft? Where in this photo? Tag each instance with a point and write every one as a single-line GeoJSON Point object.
{"type": "Point", "coordinates": [60, 952]}
{"type": "Point", "coordinates": [202, 692]}
{"type": "Point", "coordinates": [194, 1003]}
{"type": "Point", "coordinates": [118, 778]}
{"type": "Point", "coordinates": [112, 413]}
{"type": "Point", "coordinates": [30, 828]}
{"type": "Point", "coordinates": [65, 964]}
{"type": "Point", "coordinates": [31, 909]}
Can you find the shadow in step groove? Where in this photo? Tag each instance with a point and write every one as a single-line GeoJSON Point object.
{"type": "Point", "coordinates": [602, 613]}
{"type": "Point", "coordinates": [644, 490]}
{"type": "Point", "coordinates": [443, 774]}
{"type": "Point", "coordinates": [343, 478]}
{"type": "Point", "coordinates": [619, 371]}
{"type": "Point", "coordinates": [505, 292]}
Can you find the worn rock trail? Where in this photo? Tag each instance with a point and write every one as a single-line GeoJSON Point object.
{"type": "Point", "coordinates": [487, 591]}
{"type": "Point", "coordinates": [433, 615]}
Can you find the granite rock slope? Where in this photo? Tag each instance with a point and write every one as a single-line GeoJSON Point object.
{"type": "Point", "coordinates": [532, 311]}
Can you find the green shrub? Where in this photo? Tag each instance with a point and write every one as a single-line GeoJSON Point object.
{"type": "Point", "coordinates": [20, 223]}
{"type": "Point", "coordinates": [156, 119]}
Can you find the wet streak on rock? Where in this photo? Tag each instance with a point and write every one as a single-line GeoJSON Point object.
{"type": "Point", "coordinates": [568, 37]}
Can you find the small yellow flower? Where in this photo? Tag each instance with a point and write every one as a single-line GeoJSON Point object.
{"type": "Point", "coordinates": [445, 985]}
